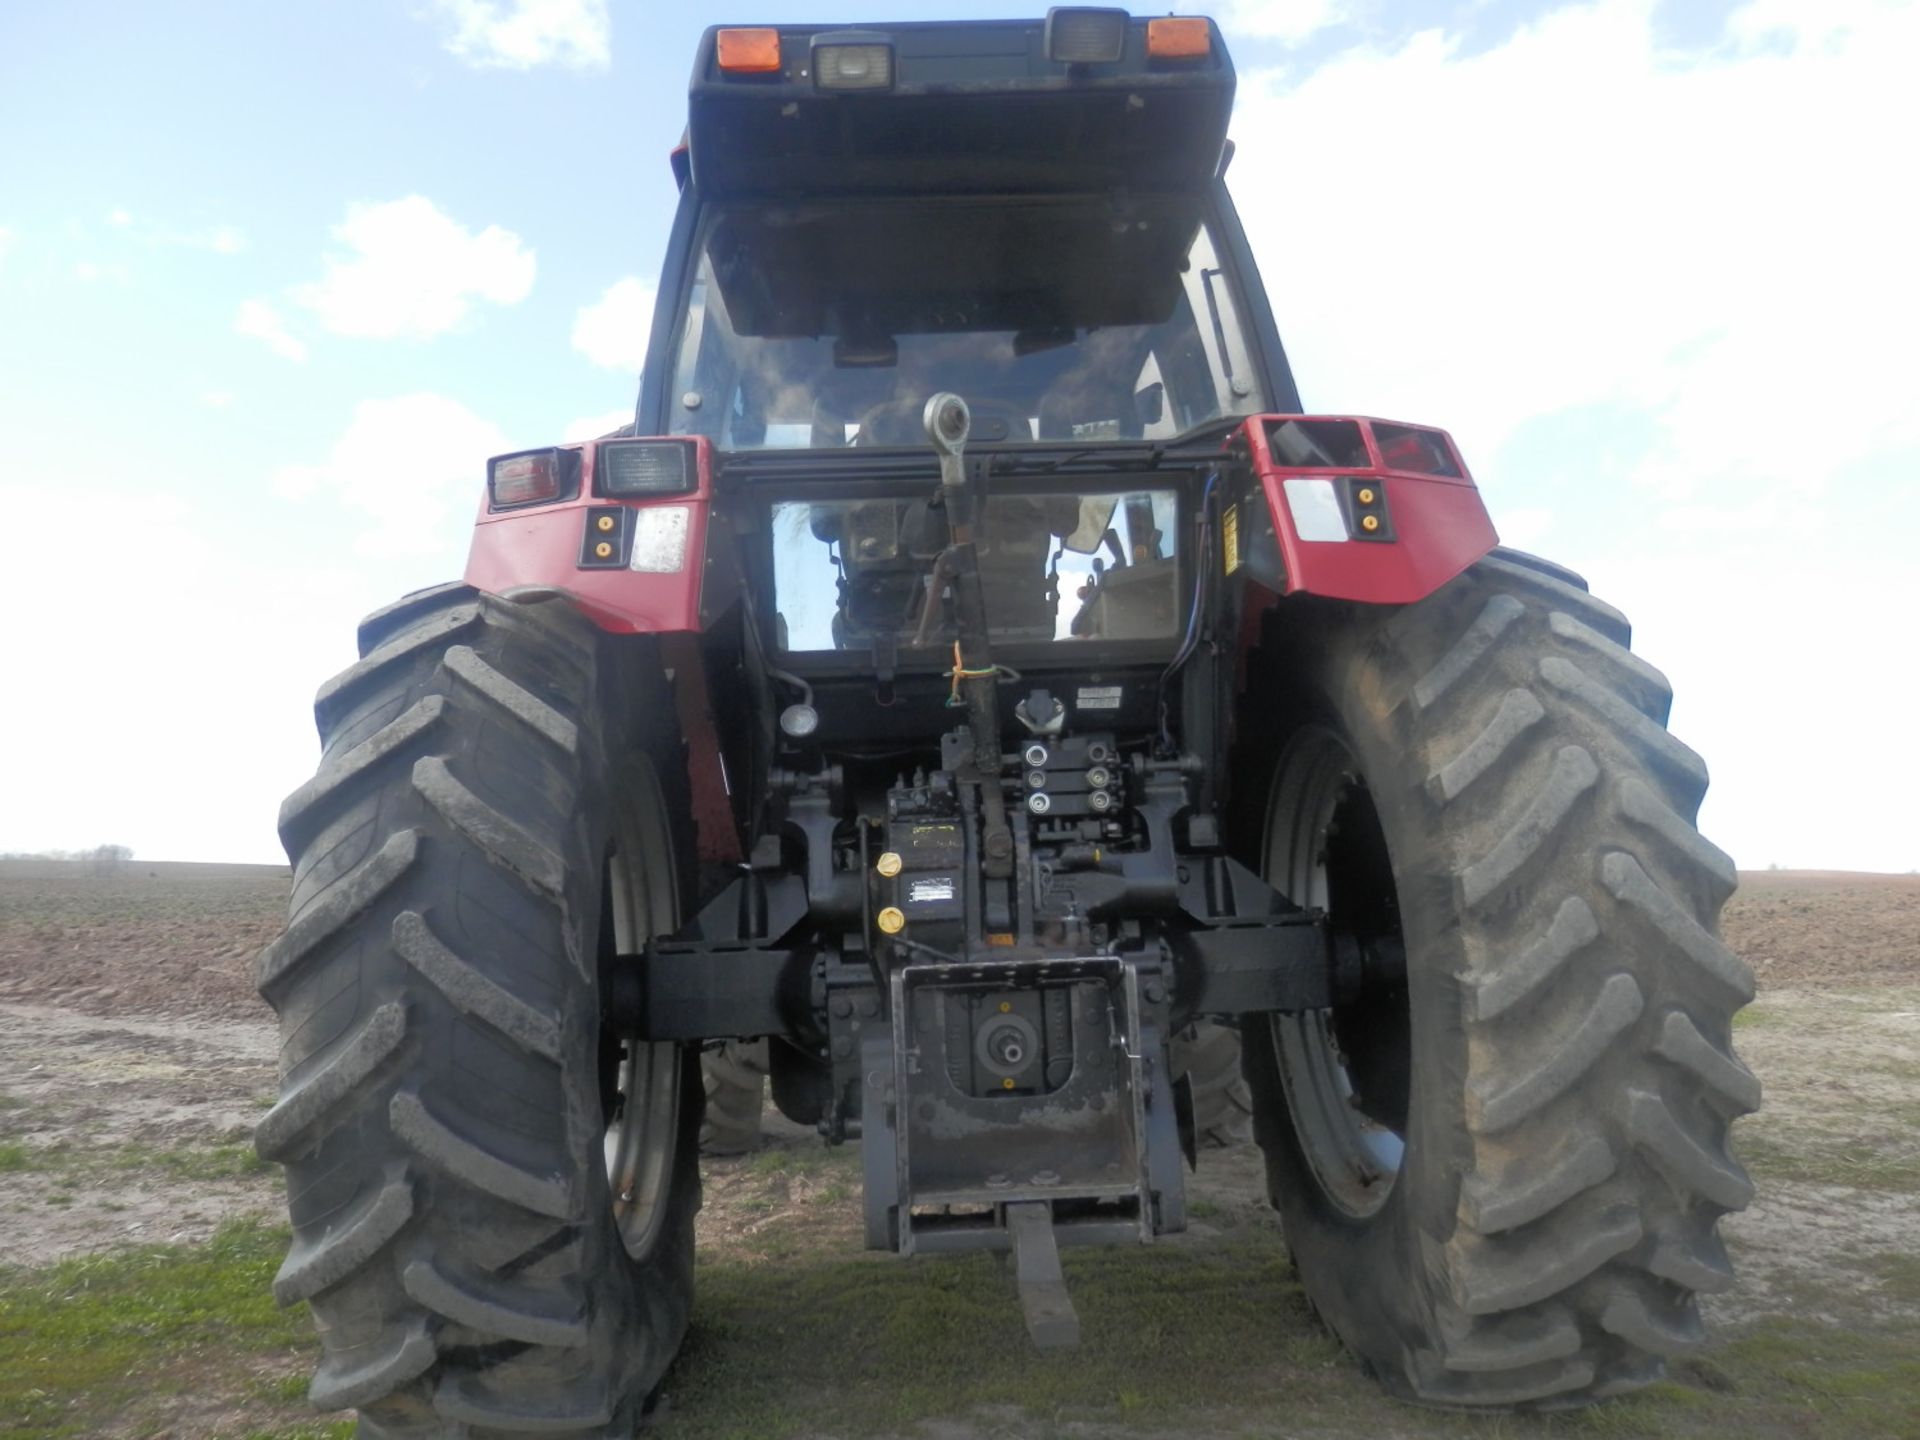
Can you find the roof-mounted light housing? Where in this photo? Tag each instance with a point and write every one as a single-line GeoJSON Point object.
{"type": "Point", "coordinates": [852, 60]}
{"type": "Point", "coordinates": [1082, 35]}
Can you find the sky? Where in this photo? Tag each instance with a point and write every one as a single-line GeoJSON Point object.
{"type": "Point", "coordinates": [276, 279]}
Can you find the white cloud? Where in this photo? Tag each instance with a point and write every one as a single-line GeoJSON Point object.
{"type": "Point", "coordinates": [217, 399]}
{"type": "Point", "coordinates": [258, 320]}
{"type": "Point", "coordinates": [255, 625]}
{"type": "Point", "coordinates": [408, 464]}
{"type": "Point", "coordinates": [120, 218]}
{"type": "Point", "coordinates": [592, 427]}
{"type": "Point", "coordinates": [613, 330]}
{"type": "Point", "coordinates": [1577, 182]}
{"type": "Point", "coordinates": [222, 240]}
{"type": "Point", "coordinates": [520, 34]}
{"type": "Point", "coordinates": [1288, 20]}
{"type": "Point", "coordinates": [412, 272]}
{"type": "Point", "coordinates": [1705, 251]}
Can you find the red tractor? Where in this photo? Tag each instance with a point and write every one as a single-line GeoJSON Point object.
{"type": "Point", "coordinates": [970, 674]}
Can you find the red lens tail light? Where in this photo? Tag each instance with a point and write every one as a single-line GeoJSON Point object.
{"type": "Point", "coordinates": [1406, 447]}
{"type": "Point", "coordinates": [532, 477]}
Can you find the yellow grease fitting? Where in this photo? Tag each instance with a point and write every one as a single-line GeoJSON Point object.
{"type": "Point", "coordinates": [605, 522]}
{"type": "Point", "coordinates": [888, 864]}
{"type": "Point", "coordinates": [1369, 522]}
{"type": "Point", "coordinates": [890, 920]}
{"type": "Point", "coordinates": [603, 550]}
{"type": "Point", "coordinates": [1366, 497]}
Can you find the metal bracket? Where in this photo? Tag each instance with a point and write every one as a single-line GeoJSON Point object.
{"type": "Point", "coordinates": [1051, 1319]}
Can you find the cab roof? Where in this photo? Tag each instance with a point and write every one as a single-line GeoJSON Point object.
{"type": "Point", "coordinates": [968, 107]}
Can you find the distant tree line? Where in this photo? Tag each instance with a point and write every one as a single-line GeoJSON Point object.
{"type": "Point", "coordinates": [104, 859]}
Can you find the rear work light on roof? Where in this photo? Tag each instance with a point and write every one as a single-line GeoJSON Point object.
{"type": "Point", "coordinates": [852, 60]}
{"type": "Point", "coordinates": [749, 52]}
{"type": "Point", "coordinates": [637, 469]}
{"type": "Point", "coordinates": [1184, 37]}
{"type": "Point", "coordinates": [532, 477]}
{"type": "Point", "coordinates": [1086, 36]}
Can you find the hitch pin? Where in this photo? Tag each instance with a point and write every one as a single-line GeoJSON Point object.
{"type": "Point", "coordinates": [1119, 1033]}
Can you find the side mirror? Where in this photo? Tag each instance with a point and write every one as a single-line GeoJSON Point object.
{"type": "Point", "coordinates": [1150, 404]}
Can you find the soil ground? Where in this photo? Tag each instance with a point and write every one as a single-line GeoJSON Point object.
{"type": "Point", "coordinates": [137, 1232]}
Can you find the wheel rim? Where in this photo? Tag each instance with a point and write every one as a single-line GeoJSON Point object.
{"type": "Point", "coordinates": [1344, 1070]}
{"type": "Point", "coordinates": [643, 1116]}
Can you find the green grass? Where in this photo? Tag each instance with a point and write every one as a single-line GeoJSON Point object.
{"type": "Point", "coordinates": [1197, 1339]}
{"type": "Point", "coordinates": [942, 1337]}
{"type": "Point", "coordinates": [92, 1339]}
{"type": "Point", "coordinates": [1202, 1341]}
{"type": "Point", "coordinates": [794, 1160]}
{"type": "Point", "coordinates": [232, 1161]}
{"type": "Point", "coordinates": [217, 1162]}
{"type": "Point", "coordinates": [1828, 1160]}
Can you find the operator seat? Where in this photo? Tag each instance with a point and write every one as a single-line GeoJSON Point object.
{"type": "Point", "coordinates": [1112, 417]}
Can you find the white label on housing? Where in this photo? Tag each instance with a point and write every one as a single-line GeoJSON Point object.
{"type": "Point", "coordinates": [1315, 509]}
{"type": "Point", "coordinates": [922, 890]}
{"type": "Point", "coordinates": [660, 539]}
{"type": "Point", "coordinates": [1097, 697]}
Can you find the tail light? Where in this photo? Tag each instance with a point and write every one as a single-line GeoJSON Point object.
{"type": "Point", "coordinates": [532, 477]}
{"type": "Point", "coordinates": [1408, 447]}
{"type": "Point", "coordinates": [639, 469]}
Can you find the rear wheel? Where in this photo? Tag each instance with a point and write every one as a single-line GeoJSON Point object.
{"type": "Point", "coordinates": [735, 1078]}
{"type": "Point", "coordinates": [492, 1196]}
{"type": "Point", "coordinates": [1207, 1055]}
{"type": "Point", "coordinates": [1499, 1166]}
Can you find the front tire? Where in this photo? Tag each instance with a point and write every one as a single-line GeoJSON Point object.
{"type": "Point", "coordinates": [1499, 1171]}
{"type": "Point", "coordinates": [494, 819]}
{"type": "Point", "coordinates": [735, 1078]}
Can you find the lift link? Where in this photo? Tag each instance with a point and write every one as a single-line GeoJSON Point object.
{"type": "Point", "coordinates": [976, 678]}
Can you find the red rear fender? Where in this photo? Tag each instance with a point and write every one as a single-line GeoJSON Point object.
{"type": "Point", "coordinates": [648, 578]}
{"type": "Point", "coordinates": [1364, 509]}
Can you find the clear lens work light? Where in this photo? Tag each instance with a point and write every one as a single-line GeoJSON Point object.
{"type": "Point", "coordinates": [852, 60]}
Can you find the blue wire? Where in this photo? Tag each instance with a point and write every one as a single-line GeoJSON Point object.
{"type": "Point", "coordinates": [1193, 611]}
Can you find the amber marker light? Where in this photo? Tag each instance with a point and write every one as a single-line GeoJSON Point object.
{"type": "Point", "coordinates": [749, 52]}
{"type": "Point", "coordinates": [1182, 37]}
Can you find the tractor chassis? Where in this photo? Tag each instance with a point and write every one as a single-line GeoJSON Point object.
{"type": "Point", "coordinates": [876, 1038]}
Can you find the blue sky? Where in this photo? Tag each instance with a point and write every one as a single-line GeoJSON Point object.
{"type": "Point", "coordinates": [275, 279]}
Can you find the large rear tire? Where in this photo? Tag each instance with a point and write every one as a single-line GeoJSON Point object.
{"type": "Point", "coordinates": [1500, 1171]}
{"type": "Point", "coordinates": [735, 1078]}
{"type": "Point", "coordinates": [1208, 1056]}
{"type": "Point", "coordinates": [499, 811]}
